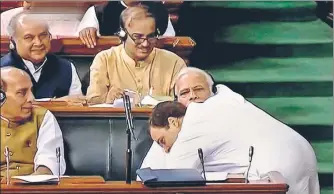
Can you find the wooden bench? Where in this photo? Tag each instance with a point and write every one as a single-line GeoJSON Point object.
{"type": "Point", "coordinates": [171, 5]}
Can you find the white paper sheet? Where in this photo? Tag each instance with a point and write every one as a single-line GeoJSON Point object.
{"type": "Point", "coordinates": [38, 178]}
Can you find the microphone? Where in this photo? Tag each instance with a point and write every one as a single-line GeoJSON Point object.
{"type": "Point", "coordinates": [129, 119]}
{"type": "Point", "coordinates": [251, 152]}
{"type": "Point", "coordinates": [58, 161]}
{"type": "Point", "coordinates": [7, 164]}
{"type": "Point", "coordinates": [200, 155]}
{"type": "Point", "coordinates": [2, 97]}
{"type": "Point", "coordinates": [129, 131]}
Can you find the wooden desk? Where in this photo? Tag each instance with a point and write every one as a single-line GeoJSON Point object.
{"type": "Point", "coordinates": [273, 185]}
{"type": "Point", "coordinates": [73, 47]}
{"type": "Point", "coordinates": [61, 109]}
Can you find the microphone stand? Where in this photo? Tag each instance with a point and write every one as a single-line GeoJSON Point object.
{"type": "Point", "coordinates": [58, 162]}
{"type": "Point", "coordinates": [7, 164]}
{"type": "Point", "coordinates": [129, 131]}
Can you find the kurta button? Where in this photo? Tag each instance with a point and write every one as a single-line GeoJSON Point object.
{"type": "Point", "coordinates": [28, 143]}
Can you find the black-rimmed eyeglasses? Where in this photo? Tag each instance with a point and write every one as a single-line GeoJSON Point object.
{"type": "Point", "coordinates": [139, 39]}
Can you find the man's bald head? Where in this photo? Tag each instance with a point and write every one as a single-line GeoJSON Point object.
{"type": "Point", "coordinates": [25, 18]}
{"type": "Point", "coordinates": [17, 85]}
{"type": "Point", "coordinates": [11, 75]}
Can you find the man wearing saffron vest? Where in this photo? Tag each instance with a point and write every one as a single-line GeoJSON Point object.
{"type": "Point", "coordinates": [52, 77]}
{"type": "Point", "coordinates": [32, 134]}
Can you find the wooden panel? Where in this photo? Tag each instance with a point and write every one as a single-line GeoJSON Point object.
{"type": "Point", "coordinates": [62, 109]}
{"type": "Point", "coordinates": [74, 185]}
{"type": "Point", "coordinates": [171, 5]}
{"type": "Point", "coordinates": [6, 5]}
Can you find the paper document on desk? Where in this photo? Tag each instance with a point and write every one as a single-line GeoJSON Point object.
{"type": "Point", "coordinates": [215, 176]}
{"type": "Point", "coordinates": [118, 103]}
{"type": "Point", "coordinates": [43, 100]}
{"type": "Point", "coordinates": [37, 178]}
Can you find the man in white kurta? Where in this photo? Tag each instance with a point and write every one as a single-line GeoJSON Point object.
{"type": "Point", "coordinates": [224, 126]}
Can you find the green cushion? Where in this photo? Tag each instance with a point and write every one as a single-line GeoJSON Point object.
{"type": "Point", "coordinates": [324, 152]}
{"type": "Point", "coordinates": [275, 70]}
{"type": "Point", "coordinates": [327, 190]}
{"type": "Point", "coordinates": [253, 4]}
{"type": "Point", "coordinates": [313, 32]}
{"type": "Point", "coordinates": [298, 110]}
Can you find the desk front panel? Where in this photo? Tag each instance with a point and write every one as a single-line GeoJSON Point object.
{"type": "Point", "coordinates": [97, 145]}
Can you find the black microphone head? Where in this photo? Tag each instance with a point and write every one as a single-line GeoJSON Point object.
{"type": "Point", "coordinates": [200, 153]}
{"type": "Point", "coordinates": [251, 151]}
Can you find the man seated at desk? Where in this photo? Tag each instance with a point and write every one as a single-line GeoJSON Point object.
{"type": "Point", "coordinates": [136, 64]}
{"type": "Point", "coordinates": [225, 125]}
{"type": "Point", "coordinates": [30, 42]}
{"type": "Point", "coordinates": [31, 134]}
{"type": "Point", "coordinates": [104, 20]}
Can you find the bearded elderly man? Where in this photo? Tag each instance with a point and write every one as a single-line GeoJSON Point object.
{"type": "Point", "coordinates": [224, 125]}
{"type": "Point", "coordinates": [52, 76]}
{"type": "Point", "coordinates": [136, 64]}
{"type": "Point", "coordinates": [31, 133]}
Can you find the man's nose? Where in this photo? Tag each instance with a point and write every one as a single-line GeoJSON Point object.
{"type": "Point", "coordinates": [31, 97]}
{"type": "Point", "coordinates": [193, 95]}
{"type": "Point", "coordinates": [37, 41]}
{"type": "Point", "coordinates": [145, 43]}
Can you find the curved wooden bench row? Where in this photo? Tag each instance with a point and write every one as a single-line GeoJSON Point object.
{"type": "Point", "coordinates": [72, 46]}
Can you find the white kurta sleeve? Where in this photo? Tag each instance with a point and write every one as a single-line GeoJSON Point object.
{"type": "Point", "coordinates": [88, 20]}
{"type": "Point", "coordinates": [49, 138]}
{"type": "Point", "coordinates": [170, 29]}
{"type": "Point", "coordinates": [75, 88]}
{"type": "Point", "coordinates": [155, 158]}
{"type": "Point", "coordinates": [184, 153]}
{"type": "Point", "coordinates": [6, 16]}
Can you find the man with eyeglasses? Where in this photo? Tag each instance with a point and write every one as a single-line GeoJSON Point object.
{"type": "Point", "coordinates": [136, 64]}
{"type": "Point", "coordinates": [53, 78]}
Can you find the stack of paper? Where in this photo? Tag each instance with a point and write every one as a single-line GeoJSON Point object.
{"type": "Point", "coordinates": [36, 179]}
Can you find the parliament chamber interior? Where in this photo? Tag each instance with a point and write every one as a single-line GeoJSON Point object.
{"type": "Point", "coordinates": [276, 54]}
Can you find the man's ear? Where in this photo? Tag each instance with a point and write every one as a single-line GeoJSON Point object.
{"type": "Point", "coordinates": [173, 121]}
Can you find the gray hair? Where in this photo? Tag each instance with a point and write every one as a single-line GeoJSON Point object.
{"type": "Point", "coordinates": [12, 26]}
{"type": "Point", "coordinates": [187, 70]}
{"type": "Point", "coordinates": [133, 13]}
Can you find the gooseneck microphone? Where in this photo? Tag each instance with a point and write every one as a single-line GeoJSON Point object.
{"type": "Point", "coordinates": [58, 161]}
{"type": "Point", "coordinates": [129, 131]}
{"type": "Point", "coordinates": [128, 114]}
{"type": "Point", "coordinates": [250, 155]}
{"type": "Point", "coordinates": [7, 164]}
{"type": "Point", "coordinates": [200, 155]}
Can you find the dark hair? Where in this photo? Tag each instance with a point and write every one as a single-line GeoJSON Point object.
{"type": "Point", "coordinates": [163, 110]}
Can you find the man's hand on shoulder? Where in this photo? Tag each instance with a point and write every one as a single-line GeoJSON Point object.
{"type": "Point", "coordinates": [88, 36]}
